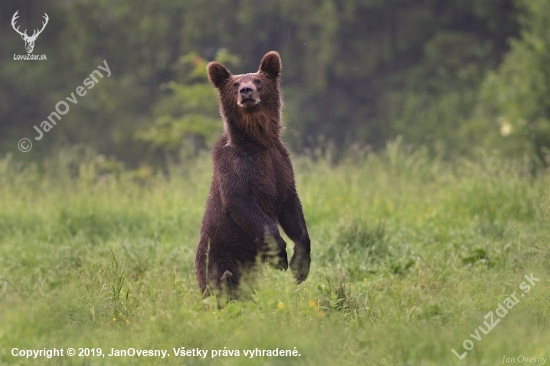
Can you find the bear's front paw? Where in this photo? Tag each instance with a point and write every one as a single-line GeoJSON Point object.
{"type": "Point", "coordinates": [299, 266]}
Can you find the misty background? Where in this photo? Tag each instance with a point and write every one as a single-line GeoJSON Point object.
{"type": "Point", "coordinates": [456, 77]}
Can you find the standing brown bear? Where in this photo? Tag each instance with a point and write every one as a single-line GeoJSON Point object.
{"type": "Point", "coordinates": [252, 188]}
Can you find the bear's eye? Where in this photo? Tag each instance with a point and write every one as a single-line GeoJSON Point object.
{"type": "Point", "coordinates": [236, 85]}
{"type": "Point", "coordinates": [257, 81]}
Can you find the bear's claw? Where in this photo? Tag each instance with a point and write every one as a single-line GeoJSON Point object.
{"type": "Point", "coordinates": [299, 265]}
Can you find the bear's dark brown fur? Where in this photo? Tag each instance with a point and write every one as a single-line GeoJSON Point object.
{"type": "Point", "coordinates": [252, 189]}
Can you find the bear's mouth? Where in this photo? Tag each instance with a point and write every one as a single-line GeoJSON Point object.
{"type": "Point", "coordinates": [248, 102]}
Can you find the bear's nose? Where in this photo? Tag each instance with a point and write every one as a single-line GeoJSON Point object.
{"type": "Point", "coordinates": [246, 92]}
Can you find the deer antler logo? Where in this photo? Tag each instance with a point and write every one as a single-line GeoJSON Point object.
{"type": "Point", "coordinates": [29, 41]}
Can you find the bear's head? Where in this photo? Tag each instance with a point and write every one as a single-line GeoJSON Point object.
{"type": "Point", "coordinates": [252, 100]}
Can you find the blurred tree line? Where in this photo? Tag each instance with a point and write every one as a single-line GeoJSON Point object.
{"type": "Point", "coordinates": [453, 75]}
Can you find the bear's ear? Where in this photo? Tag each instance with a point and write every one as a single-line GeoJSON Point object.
{"type": "Point", "coordinates": [271, 64]}
{"type": "Point", "coordinates": [218, 74]}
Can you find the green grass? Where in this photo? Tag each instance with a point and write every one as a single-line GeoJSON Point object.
{"type": "Point", "coordinates": [408, 255]}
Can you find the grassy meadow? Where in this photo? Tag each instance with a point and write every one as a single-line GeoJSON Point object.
{"type": "Point", "coordinates": [409, 254]}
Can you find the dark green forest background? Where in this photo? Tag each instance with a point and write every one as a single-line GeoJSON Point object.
{"type": "Point", "coordinates": [459, 77]}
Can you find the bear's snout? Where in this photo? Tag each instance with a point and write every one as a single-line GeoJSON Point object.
{"type": "Point", "coordinates": [246, 93]}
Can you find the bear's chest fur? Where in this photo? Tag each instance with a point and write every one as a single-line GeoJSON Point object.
{"type": "Point", "coordinates": [263, 173]}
